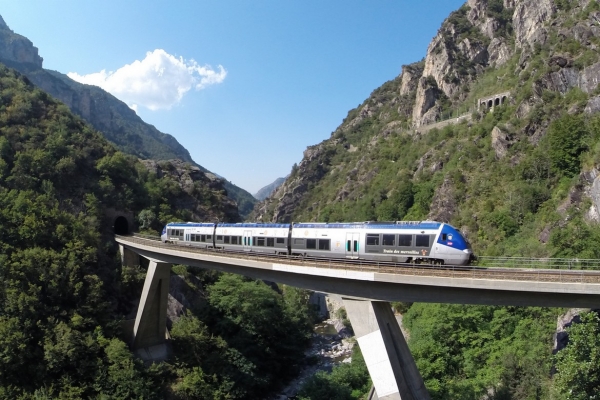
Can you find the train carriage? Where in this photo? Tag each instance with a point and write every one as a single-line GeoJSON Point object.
{"type": "Point", "coordinates": [400, 241]}
{"type": "Point", "coordinates": [257, 237]}
{"type": "Point", "coordinates": [197, 234]}
{"type": "Point", "coordinates": [315, 239]}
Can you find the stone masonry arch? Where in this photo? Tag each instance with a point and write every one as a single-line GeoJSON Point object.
{"type": "Point", "coordinates": [488, 103]}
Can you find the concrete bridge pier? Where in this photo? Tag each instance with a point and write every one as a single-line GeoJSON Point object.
{"type": "Point", "coordinates": [128, 258]}
{"type": "Point", "coordinates": [391, 366]}
{"type": "Point", "coordinates": [149, 336]}
{"type": "Point", "coordinates": [150, 329]}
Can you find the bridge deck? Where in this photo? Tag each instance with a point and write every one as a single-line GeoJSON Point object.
{"type": "Point", "coordinates": [393, 282]}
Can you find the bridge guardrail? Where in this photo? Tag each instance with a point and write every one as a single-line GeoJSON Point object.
{"type": "Point", "coordinates": [446, 271]}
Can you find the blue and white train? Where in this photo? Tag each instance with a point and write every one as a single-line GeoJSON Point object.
{"type": "Point", "coordinates": [402, 241]}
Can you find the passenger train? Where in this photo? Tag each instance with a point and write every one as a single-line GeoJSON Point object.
{"type": "Point", "coordinates": [401, 241]}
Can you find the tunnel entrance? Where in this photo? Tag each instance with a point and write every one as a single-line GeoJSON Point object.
{"type": "Point", "coordinates": [121, 226]}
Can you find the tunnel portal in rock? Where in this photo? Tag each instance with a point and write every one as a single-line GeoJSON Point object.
{"type": "Point", "coordinates": [121, 226]}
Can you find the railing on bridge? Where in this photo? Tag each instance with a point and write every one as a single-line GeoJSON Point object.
{"type": "Point", "coordinates": [544, 263]}
{"type": "Point", "coordinates": [498, 268]}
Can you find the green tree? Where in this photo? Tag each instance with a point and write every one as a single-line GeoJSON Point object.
{"type": "Point", "coordinates": [578, 364]}
{"type": "Point", "coordinates": [566, 139]}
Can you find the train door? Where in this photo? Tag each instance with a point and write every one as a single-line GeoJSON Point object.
{"type": "Point", "coordinates": [247, 240]}
{"type": "Point", "coordinates": [352, 240]}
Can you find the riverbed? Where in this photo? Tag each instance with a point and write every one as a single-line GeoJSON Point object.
{"type": "Point", "coordinates": [331, 344]}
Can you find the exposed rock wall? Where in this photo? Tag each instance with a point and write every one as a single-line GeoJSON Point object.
{"type": "Point", "coordinates": [17, 48]}
{"type": "Point", "coordinates": [529, 19]}
{"type": "Point", "coordinates": [473, 40]}
{"type": "Point", "coordinates": [113, 118]}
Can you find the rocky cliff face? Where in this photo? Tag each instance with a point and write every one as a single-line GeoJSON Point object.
{"type": "Point", "coordinates": [266, 191]}
{"type": "Point", "coordinates": [17, 48]}
{"type": "Point", "coordinates": [113, 118]}
{"type": "Point", "coordinates": [536, 48]}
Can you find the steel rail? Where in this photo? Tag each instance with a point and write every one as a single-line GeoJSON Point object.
{"type": "Point", "coordinates": [446, 271]}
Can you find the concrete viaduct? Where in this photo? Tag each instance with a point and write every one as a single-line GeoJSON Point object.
{"type": "Point", "coordinates": [366, 291]}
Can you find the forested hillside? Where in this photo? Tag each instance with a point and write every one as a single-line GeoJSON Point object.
{"type": "Point", "coordinates": [520, 179]}
{"type": "Point", "coordinates": [108, 115]}
{"type": "Point", "coordinates": [64, 293]}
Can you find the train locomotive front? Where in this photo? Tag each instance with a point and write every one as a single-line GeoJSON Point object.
{"type": "Point", "coordinates": [402, 241]}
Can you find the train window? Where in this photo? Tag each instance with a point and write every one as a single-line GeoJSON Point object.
{"type": "Point", "coordinates": [270, 242]}
{"type": "Point", "coordinates": [444, 236]}
{"type": "Point", "coordinates": [203, 238]}
{"type": "Point", "coordinates": [405, 240]}
{"type": "Point", "coordinates": [260, 241]}
{"type": "Point", "coordinates": [324, 244]}
{"type": "Point", "coordinates": [280, 241]}
{"type": "Point", "coordinates": [227, 239]}
{"type": "Point", "coordinates": [311, 243]}
{"type": "Point", "coordinates": [234, 240]}
{"type": "Point", "coordinates": [372, 239]}
{"type": "Point", "coordinates": [219, 237]}
{"type": "Point", "coordinates": [389, 240]}
{"type": "Point", "coordinates": [208, 237]}
{"type": "Point", "coordinates": [422, 241]}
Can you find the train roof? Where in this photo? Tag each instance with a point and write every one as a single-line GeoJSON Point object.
{"type": "Point", "coordinates": [190, 224]}
{"type": "Point", "coordinates": [371, 225]}
{"type": "Point", "coordinates": [253, 225]}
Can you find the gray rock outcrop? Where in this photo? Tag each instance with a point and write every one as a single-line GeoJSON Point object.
{"type": "Point", "coordinates": [15, 48]}
{"type": "Point", "coordinates": [561, 337]}
{"type": "Point", "coordinates": [499, 52]}
{"type": "Point", "coordinates": [528, 21]}
{"type": "Point", "coordinates": [593, 105]}
{"type": "Point", "coordinates": [410, 78]}
{"type": "Point", "coordinates": [443, 204]}
{"type": "Point", "coordinates": [500, 142]}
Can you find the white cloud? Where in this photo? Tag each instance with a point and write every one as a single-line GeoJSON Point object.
{"type": "Point", "coordinates": [159, 81]}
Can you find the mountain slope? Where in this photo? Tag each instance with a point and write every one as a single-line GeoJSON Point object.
{"type": "Point", "coordinates": [521, 179]}
{"type": "Point", "coordinates": [376, 156]}
{"type": "Point", "coordinates": [119, 124]}
{"type": "Point", "coordinates": [264, 192]}
{"type": "Point", "coordinates": [62, 288]}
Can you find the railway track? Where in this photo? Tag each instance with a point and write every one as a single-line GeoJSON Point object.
{"type": "Point", "coordinates": [499, 268]}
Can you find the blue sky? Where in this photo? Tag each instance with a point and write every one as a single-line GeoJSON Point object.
{"type": "Point", "coordinates": [245, 86]}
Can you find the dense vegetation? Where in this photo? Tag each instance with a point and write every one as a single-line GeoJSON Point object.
{"type": "Point", "coordinates": [241, 340]}
{"type": "Point", "coordinates": [64, 292]}
{"type": "Point", "coordinates": [515, 181]}
{"type": "Point", "coordinates": [110, 116]}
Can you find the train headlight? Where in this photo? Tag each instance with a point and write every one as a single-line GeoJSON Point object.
{"type": "Point", "coordinates": [467, 251]}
